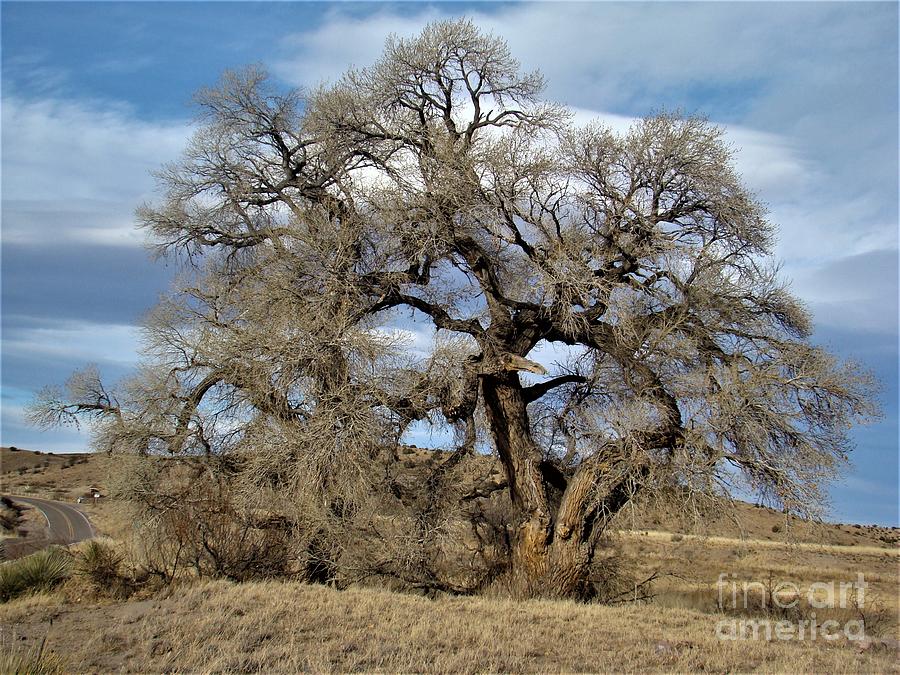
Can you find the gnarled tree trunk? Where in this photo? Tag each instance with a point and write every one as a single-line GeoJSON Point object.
{"type": "Point", "coordinates": [553, 543]}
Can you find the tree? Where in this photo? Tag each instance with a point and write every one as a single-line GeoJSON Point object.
{"type": "Point", "coordinates": [437, 186]}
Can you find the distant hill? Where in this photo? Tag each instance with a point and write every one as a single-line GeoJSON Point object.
{"type": "Point", "coordinates": [19, 460]}
{"type": "Point", "coordinates": [64, 476]}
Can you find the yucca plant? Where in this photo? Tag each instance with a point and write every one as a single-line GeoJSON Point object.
{"type": "Point", "coordinates": [40, 571]}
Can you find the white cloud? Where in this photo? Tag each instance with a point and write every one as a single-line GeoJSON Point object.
{"type": "Point", "coordinates": [605, 51]}
{"type": "Point", "coordinates": [323, 55]}
{"type": "Point", "coordinates": [619, 38]}
{"type": "Point", "coordinates": [619, 124]}
{"type": "Point", "coordinates": [859, 291]}
{"type": "Point", "coordinates": [771, 165]}
{"type": "Point", "coordinates": [123, 235]}
{"type": "Point", "coordinates": [76, 170]}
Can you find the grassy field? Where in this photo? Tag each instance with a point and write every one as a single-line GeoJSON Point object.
{"type": "Point", "coordinates": [287, 627]}
{"type": "Point", "coordinates": [703, 584]}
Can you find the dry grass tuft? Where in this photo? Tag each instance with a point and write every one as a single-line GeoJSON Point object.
{"type": "Point", "coordinates": [16, 661]}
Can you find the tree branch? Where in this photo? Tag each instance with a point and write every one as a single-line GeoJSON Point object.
{"type": "Point", "coordinates": [438, 314]}
{"type": "Point", "coordinates": [538, 390]}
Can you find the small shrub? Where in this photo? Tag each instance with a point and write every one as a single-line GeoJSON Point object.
{"type": "Point", "coordinates": [776, 528]}
{"type": "Point", "coordinates": [13, 448]}
{"type": "Point", "coordinates": [677, 537]}
{"type": "Point", "coordinates": [41, 571]}
{"type": "Point", "coordinates": [212, 533]}
{"type": "Point", "coordinates": [100, 564]}
{"type": "Point", "coordinates": [613, 577]}
{"type": "Point", "coordinates": [9, 519]}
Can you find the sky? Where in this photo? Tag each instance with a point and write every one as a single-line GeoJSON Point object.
{"type": "Point", "coordinates": [95, 96]}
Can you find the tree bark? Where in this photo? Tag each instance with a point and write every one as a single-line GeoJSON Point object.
{"type": "Point", "coordinates": [555, 539]}
{"type": "Point", "coordinates": [549, 556]}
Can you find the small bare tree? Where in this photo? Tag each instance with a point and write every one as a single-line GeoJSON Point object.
{"type": "Point", "coordinates": [438, 185]}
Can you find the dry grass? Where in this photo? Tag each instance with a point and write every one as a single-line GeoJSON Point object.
{"type": "Point", "coordinates": [744, 521]}
{"type": "Point", "coordinates": [113, 519]}
{"type": "Point", "coordinates": [14, 461]}
{"type": "Point", "coordinates": [17, 661]}
{"type": "Point", "coordinates": [289, 627]}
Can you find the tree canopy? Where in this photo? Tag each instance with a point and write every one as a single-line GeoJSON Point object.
{"type": "Point", "coordinates": [438, 188]}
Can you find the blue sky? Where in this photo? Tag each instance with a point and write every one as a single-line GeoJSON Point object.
{"type": "Point", "coordinates": [97, 95]}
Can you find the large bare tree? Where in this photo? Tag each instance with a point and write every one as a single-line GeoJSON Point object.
{"type": "Point", "coordinates": [438, 187]}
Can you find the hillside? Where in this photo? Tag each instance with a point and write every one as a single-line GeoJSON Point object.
{"type": "Point", "coordinates": [20, 462]}
{"type": "Point", "coordinates": [666, 603]}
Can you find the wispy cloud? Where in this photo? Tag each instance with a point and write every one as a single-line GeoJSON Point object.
{"type": "Point", "coordinates": [75, 170]}
{"type": "Point", "coordinates": [859, 291]}
{"type": "Point", "coordinates": [74, 341]}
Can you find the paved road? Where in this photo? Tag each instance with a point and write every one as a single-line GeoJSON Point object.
{"type": "Point", "coordinates": [67, 524]}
